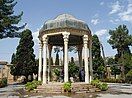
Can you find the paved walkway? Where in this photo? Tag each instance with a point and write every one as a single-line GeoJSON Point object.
{"type": "Point", "coordinates": [125, 91]}
{"type": "Point", "coordinates": [9, 91]}
{"type": "Point", "coordinates": [119, 90]}
{"type": "Point", "coordinates": [121, 87]}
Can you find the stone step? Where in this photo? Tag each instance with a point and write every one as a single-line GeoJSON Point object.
{"type": "Point", "coordinates": [58, 87]}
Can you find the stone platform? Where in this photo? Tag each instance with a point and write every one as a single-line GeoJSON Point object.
{"type": "Point", "coordinates": [78, 87]}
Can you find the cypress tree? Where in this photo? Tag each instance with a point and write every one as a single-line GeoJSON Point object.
{"type": "Point", "coordinates": [98, 62]}
{"type": "Point", "coordinates": [13, 66]}
{"type": "Point", "coordinates": [25, 58]}
{"type": "Point", "coordinates": [13, 60]}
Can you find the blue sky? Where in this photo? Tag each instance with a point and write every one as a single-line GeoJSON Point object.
{"type": "Point", "coordinates": [100, 15]}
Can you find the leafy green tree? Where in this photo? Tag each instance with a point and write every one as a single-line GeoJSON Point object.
{"type": "Point", "coordinates": [127, 62]}
{"type": "Point", "coordinates": [111, 61]}
{"type": "Point", "coordinates": [8, 20]}
{"type": "Point", "coordinates": [129, 76]}
{"type": "Point", "coordinates": [72, 68]}
{"type": "Point", "coordinates": [25, 58]}
{"type": "Point", "coordinates": [120, 40]}
{"type": "Point", "coordinates": [13, 66]}
{"type": "Point", "coordinates": [115, 70]}
{"type": "Point", "coordinates": [72, 60]}
{"type": "Point", "coordinates": [98, 62]}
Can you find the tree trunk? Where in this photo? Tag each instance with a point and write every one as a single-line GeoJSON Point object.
{"type": "Point", "coordinates": [122, 67]}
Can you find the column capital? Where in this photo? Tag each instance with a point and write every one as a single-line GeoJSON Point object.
{"type": "Point", "coordinates": [85, 39]}
{"type": "Point", "coordinates": [45, 39]}
{"type": "Point", "coordinates": [40, 44]}
{"type": "Point", "coordinates": [65, 36]}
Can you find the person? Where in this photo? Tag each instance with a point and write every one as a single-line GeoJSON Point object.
{"type": "Point", "coordinates": [82, 75]}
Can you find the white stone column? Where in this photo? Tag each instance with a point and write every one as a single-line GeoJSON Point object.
{"type": "Point", "coordinates": [44, 58]}
{"type": "Point", "coordinates": [85, 42]}
{"type": "Point", "coordinates": [40, 61]}
{"type": "Point", "coordinates": [49, 67]}
{"type": "Point", "coordinates": [90, 59]}
{"type": "Point", "coordinates": [65, 37]}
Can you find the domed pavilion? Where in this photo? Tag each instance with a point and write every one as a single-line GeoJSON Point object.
{"type": "Point", "coordinates": [64, 31]}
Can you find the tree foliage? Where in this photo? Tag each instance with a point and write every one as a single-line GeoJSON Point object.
{"type": "Point", "coordinates": [111, 61]}
{"type": "Point", "coordinates": [25, 59]}
{"type": "Point", "coordinates": [120, 40]}
{"type": "Point", "coordinates": [129, 76]}
{"type": "Point", "coordinates": [72, 68]}
{"type": "Point", "coordinates": [8, 20]}
{"type": "Point", "coordinates": [13, 66]}
{"type": "Point", "coordinates": [127, 62]}
{"type": "Point", "coordinates": [13, 60]}
{"type": "Point", "coordinates": [115, 68]}
{"type": "Point", "coordinates": [98, 62]}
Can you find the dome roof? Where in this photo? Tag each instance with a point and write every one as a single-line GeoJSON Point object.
{"type": "Point", "coordinates": [64, 21]}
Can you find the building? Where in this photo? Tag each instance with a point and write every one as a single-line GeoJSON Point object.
{"type": "Point", "coordinates": [64, 31]}
{"type": "Point", "coordinates": [5, 71]}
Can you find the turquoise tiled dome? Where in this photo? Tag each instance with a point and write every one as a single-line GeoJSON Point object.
{"type": "Point", "coordinates": [65, 21]}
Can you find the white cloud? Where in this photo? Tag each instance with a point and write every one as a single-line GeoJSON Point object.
{"type": "Point", "coordinates": [95, 21]}
{"type": "Point", "coordinates": [116, 7]}
{"type": "Point", "coordinates": [101, 32]}
{"type": "Point", "coordinates": [124, 12]}
{"type": "Point", "coordinates": [108, 37]}
{"type": "Point", "coordinates": [114, 21]}
{"type": "Point", "coordinates": [126, 15]}
{"type": "Point", "coordinates": [101, 3]}
{"type": "Point", "coordinates": [35, 35]}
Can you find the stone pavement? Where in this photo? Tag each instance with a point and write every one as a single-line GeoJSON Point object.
{"type": "Point", "coordinates": [50, 97]}
{"type": "Point", "coordinates": [125, 91]}
{"type": "Point", "coordinates": [9, 91]}
{"type": "Point", "coordinates": [121, 87]}
{"type": "Point", "coordinates": [114, 96]}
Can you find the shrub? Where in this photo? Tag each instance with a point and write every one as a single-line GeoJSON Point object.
{"type": "Point", "coordinates": [57, 72]}
{"type": "Point", "coordinates": [129, 76]}
{"type": "Point", "coordinates": [112, 80]}
{"type": "Point", "coordinates": [67, 86]}
{"type": "Point", "coordinates": [3, 82]}
{"type": "Point", "coordinates": [102, 86]}
{"type": "Point", "coordinates": [32, 85]}
{"type": "Point", "coordinates": [95, 82]}
{"type": "Point", "coordinates": [37, 82]}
